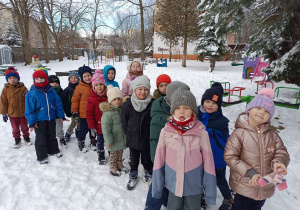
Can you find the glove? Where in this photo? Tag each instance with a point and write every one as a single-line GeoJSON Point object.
{"type": "Point", "coordinates": [93, 132]}
{"type": "Point", "coordinates": [5, 117]}
{"type": "Point", "coordinates": [75, 116]}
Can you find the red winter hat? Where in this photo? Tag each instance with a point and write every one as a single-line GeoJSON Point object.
{"type": "Point", "coordinates": [11, 72]}
{"type": "Point", "coordinates": [40, 74]}
{"type": "Point", "coordinates": [163, 78]}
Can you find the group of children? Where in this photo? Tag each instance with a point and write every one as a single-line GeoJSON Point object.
{"type": "Point", "coordinates": [184, 148]}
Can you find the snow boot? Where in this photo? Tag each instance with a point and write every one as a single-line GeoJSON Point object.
{"type": "Point", "coordinates": [133, 179]}
{"type": "Point", "coordinates": [81, 145]}
{"type": "Point", "coordinates": [93, 144]}
{"type": "Point", "coordinates": [101, 157]}
{"type": "Point", "coordinates": [117, 173]}
{"type": "Point", "coordinates": [17, 144]}
{"type": "Point", "coordinates": [68, 136]}
{"type": "Point", "coordinates": [27, 141]}
{"type": "Point", "coordinates": [44, 161]}
{"type": "Point", "coordinates": [58, 155]}
{"type": "Point", "coordinates": [203, 203]}
{"type": "Point", "coordinates": [147, 177]}
{"type": "Point", "coordinates": [226, 205]}
{"type": "Point", "coordinates": [63, 143]}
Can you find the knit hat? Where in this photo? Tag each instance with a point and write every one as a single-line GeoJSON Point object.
{"type": "Point", "coordinates": [40, 74]}
{"type": "Point", "coordinates": [163, 78]}
{"type": "Point", "coordinates": [45, 70]}
{"type": "Point", "coordinates": [215, 93]}
{"type": "Point", "coordinates": [172, 87]}
{"type": "Point", "coordinates": [183, 96]}
{"type": "Point", "coordinates": [141, 81]}
{"type": "Point", "coordinates": [98, 78]}
{"type": "Point", "coordinates": [11, 72]}
{"type": "Point", "coordinates": [113, 93]}
{"type": "Point", "coordinates": [263, 99]}
{"type": "Point", "coordinates": [74, 74]}
{"type": "Point", "coordinates": [83, 69]}
{"type": "Point", "coordinates": [53, 78]}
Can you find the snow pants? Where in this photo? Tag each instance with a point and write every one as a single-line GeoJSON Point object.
{"type": "Point", "coordinates": [16, 123]}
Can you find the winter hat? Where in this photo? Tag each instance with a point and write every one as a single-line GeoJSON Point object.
{"type": "Point", "coordinates": [98, 78]}
{"type": "Point", "coordinates": [53, 78]}
{"type": "Point", "coordinates": [215, 93]}
{"type": "Point", "coordinates": [43, 69]}
{"type": "Point", "coordinates": [183, 96]}
{"type": "Point", "coordinates": [141, 81]}
{"type": "Point", "coordinates": [163, 78]}
{"type": "Point", "coordinates": [113, 92]}
{"type": "Point", "coordinates": [263, 99]}
{"type": "Point", "coordinates": [83, 69]}
{"type": "Point", "coordinates": [40, 74]}
{"type": "Point", "coordinates": [74, 74]}
{"type": "Point", "coordinates": [11, 72]}
{"type": "Point", "coordinates": [106, 69]}
{"type": "Point", "coordinates": [172, 87]}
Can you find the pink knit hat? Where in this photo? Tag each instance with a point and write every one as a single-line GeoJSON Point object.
{"type": "Point", "coordinates": [263, 99]}
{"type": "Point", "coordinates": [98, 78]}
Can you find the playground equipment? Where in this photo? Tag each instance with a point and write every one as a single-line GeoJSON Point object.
{"type": "Point", "coordinates": [222, 83]}
{"type": "Point", "coordinates": [287, 104]}
{"type": "Point", "coordinates": [35, 61]}
{"type": "Point", "coordinates": [252, 68]}
{"type": "Point", "coordinates": [162, 63]}
{"type": "Point", "coordinates": [101, 54]}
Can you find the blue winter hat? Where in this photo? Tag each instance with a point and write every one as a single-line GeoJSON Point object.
{"type": "Point", "coordinates": [83, 69]}
{"type": "Point", "coordinates": [11, 72]}
{"type": "Point", "coordinates": [215, 93]}
{"type": "Point", "coordinates": [74, 74]}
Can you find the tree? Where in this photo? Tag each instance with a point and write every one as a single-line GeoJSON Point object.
{"type": "Point", "coordinates": [11, 37]}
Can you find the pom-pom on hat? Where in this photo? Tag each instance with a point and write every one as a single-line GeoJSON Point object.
{"type": "Point", "coordinates": [11, 72]}
{"type": "Point", "coordinates": [53, 78]}
{"type": "Point", "coordinates": [40, 74]}
{"type": "Point", "coordinates": [172, 87]}
{"type": "Point", "coordinates": [263, 99]}
{"type": "Point", "coordinates": [215, 93]}
{"type": "Point", "coordinates": [98, 78]}
{"type": "Point", "coordinates": [113, 93]}
{"type": "Point", "coordinates": [163, 78]}
{"type": "Point", "coordinates": [181, 97]}
{"type": "Point", "coordinates": [83, 69]}
{"type": "Point", "coordinates": [74, 74]}
{"type": "Point", "coordinates": [141, 81]}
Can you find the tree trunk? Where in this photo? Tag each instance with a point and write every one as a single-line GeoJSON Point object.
{"type": "Point", "coordinates": [45, 38]}
{"type": "Point", "coordinates": [184, 51]}
{"type": "Point", "coordinates": [142, 31]}
{"type": "Point", "coordinates": [170, 51]}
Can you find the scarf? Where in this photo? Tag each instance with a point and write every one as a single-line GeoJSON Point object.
{"type": "Point", "coordinates": [57, 89]}
{"type": "Point", "coordinates": [43, 89]}
{"type": "Point", "coordinates": [182, 127]}
{"type": "Point", "coordinates": [140, 105]}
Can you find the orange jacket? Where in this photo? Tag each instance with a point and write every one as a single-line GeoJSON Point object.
{"type": "Point", "coordinates": [79, 99]}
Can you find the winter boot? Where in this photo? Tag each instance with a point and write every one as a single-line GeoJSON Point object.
{"type": "Point", "coordinates": [203, 203]}
{"type": "Point", "coordinates": [44, 161]}
{"type": "Point", "coordinates": [133, 179]}
{"type": "Point", "coordinates": [76, 133]}
{"type": "Point", "coordinates": [226, 205]}
{"type": "Point", "coordinates": [101, 157]}
{"type": "Point", "coordinates": [81, 145]}
{"type": "Point", "coordinates": [120, 162]}
{"type": "Point", "coordinates": [17, 144]}
{"type": "Point", "coordinates": [117, 173]}
{"type": "Point", "coordinates": [63, 143]}
{"type": "Point", "coordinates": [58, 155]}
{"type": "Point", "coordinates": [147, 177]}
{"type": "Point", "coordinates": [68, 136]}
{"type": "Point", "coordinates": [27, 141]}
{"type": "Point", "coordinates": [93, 144]}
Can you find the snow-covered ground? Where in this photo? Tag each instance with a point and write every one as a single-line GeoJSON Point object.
{"type": "Point", "coordinates": [76, 181]}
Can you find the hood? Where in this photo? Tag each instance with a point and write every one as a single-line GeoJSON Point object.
{"type": "Point", "coordinates": [19, 84]}
{"type": "Point", "coordinates": [105, 106]}
{"type": "Point", "coordinates": [241, 122]}
{"type": "Point", "coordinates": [105, 71]}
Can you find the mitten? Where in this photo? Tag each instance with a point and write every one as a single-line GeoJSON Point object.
{"type": "Point", "coordinates": [5, 117]}
{"type": "Point", "coordinates": [93, 132]}
{"type": "Point", "coordinates": [75, 116]}
{"type": "Point", "coordinates": [274, 178]}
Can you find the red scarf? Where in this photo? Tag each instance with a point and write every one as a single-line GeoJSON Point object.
{"type": "Point", "coordinates": [182, 127]}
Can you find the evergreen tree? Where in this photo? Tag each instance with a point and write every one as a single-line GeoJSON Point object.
{"type": "Point", "coordinates": [11, 37]}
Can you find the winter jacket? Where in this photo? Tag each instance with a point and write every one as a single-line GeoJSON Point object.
{"type": "Point", "coordinates": [156, 94]}
{"type": "Point", "coordinates": [217, 127]}
{"type": "Point", "coordinates": [93, 112]}
{"type": "Point", "coordinates": [160, 111]}
{"type": "Point", "coordinates": [184, 164]}
{"type": "Point", "coordinates": [66, 98]}
{"type": "Point", "coordinates": [126, 86]}
{"type": "Point", "coordinates": [112, 127]}
{"type": "Point", "coordinates": [79, 99]}
{"type": "Point", "coordinates": [136, 126]}
{"type": "Point", "coordinates": [12, 100]}
{"type": "Point", "coordinates": [107, 81]}
{"type": "Point", "coordinates": [42, 106]}
{"type": "Point", "coordinates": [255, 148]}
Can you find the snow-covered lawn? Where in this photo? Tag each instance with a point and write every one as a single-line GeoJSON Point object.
{"type": "Point", "coordinates": [76, 181]}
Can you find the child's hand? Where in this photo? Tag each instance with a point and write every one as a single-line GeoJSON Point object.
{"type": "Point", "coordinates": [277, 166]}
{"type": "Point", "coordinates": [31, 127]}
{"type": "Point", "coordinates": [64, 119]}
{"type": "Point", "coordinates": [254, 179]}
{"type": "Point", "coordinates": [5, 117]}
{"type": "Point", "coordinates": [108, 146]}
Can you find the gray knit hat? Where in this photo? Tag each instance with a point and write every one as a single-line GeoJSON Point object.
{"type": "Point", "coordinates": [141, 81]}
{"type": "Point", "coordinates": [183, 96]}
{"type": "Point", "coordinates": [172, 87]}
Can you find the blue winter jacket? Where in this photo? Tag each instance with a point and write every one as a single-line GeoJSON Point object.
{"type": "Point", "coordinates": [107, 81]}
{"type": "Point", "coordinates": [42, 106]}
{"type": "Point", "coordinates": [217, 127]}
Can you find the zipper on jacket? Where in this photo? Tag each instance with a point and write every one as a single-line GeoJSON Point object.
{"type": "Point", "coordinates": [261, 157]}
{"type": "Point", "coordinates": [47, 105]}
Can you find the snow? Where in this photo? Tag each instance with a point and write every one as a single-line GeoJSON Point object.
{"type": "Point", "coordinates": [76, 181]}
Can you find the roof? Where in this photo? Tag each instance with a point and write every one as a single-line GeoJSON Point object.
{"type": "Point", "coordinates": [4, 46]}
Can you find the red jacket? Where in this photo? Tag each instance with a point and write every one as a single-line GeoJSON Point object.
{"type": "Point", "coordinates": [93, 113]}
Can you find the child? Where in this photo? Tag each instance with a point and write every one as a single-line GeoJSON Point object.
{"type": "Point", "coordinates": [210, 114]}
{"type": "Point", "coordinates": [94, 114]}
{"type": "Point", "coordinates": [134, 69]}
{"type": "Point", "coordinates": [254, 150]}
{"type": "Point", "coordinates": [79, 104]}
{"type": "Point", "coordinates": [42, 106]}
{"type": "Point", "coordinates": [135, 117]}
{"type": "Point", "coordinates": [183, 159]}
{"type": "Point", "coordinates": [12, 105]}
{"type": "Point", "coordinates": [160, 112]}
{"type": "Point", "coordinates": [114, 137]}
{"type": "Point", "coordinates": [161, 83]}
{"type": "Point", "coordinates": [66, 100]}
{"type": "Point", "coordinates": [109, 73]}
{"type": "Point", "coordinates": [55, 83]}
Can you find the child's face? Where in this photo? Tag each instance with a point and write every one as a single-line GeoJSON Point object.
{"type": "Point", "coordinates": [135, 67]}
{"type": "Point", "coordinates": [12, 80]}
{"type": "Point", "coordinates": [141, 93]}
{"type": "Point", "coordinates": [87, 77]}
{"type": "Point", "coordinates": [183, 112]}
{"type": "Point", "coordinates": [111, 74]}
{"type": "Point", "coordinates": [73, 79]}
{"type": "Point", "coordinates": [258, 116]}
{"type": "Point", "coordinates": [39, 80]}
{"type": "Point", "coordinates": [116, 102]}
{"type": "Point", "coordinates": [99, 87]}
{"type": "Point", "coordinates": [54, 84]}
{"type": "Point", "coordinates": [210, 106]}
{"type": "Point", "coordinates": [162, 87]}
